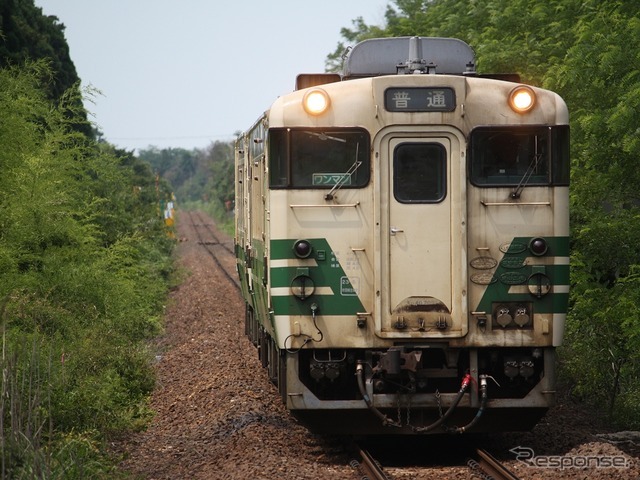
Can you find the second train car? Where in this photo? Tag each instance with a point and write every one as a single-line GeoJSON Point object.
{"type": "Point", "coordinates": [402, 242]}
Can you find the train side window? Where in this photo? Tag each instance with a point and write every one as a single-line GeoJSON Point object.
{"type": "Point", "coordinates": [512, 156]}
{"type": "Point", "coordinates": [279, 158]}
{"type": "Point", "coordinates": [319, 158]}
{"type": "Point", "coordinates": [561, 165]}
{"type": "Point", "coordinates": [419, 172]}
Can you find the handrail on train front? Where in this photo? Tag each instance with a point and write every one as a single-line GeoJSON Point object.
{"type": "Point", "coordinates": [514, 204]}
{"type": "Point", "coordinates": [330, 205]}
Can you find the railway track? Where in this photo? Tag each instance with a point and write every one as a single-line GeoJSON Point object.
{"type": "Point", "coordinates": [491, 467]}
{"type": "Point", "coordinates": [483, 466]}
{"type": "Point", "coordinates": [216, 249]}
{"type": "Point", "coordinates": [198, 223]}
{"type": "Point", "coordinates": [368, 466]}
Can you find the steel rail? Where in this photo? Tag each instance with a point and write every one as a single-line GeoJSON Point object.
{"type": "Point", "coordinates": [207, 225]}
{"type": "Point", "coordinates": [369, 467]}
{"type": "Point", "coordinates": [493, 467]}
{"type": "Point", "coordinates": [232, 278]}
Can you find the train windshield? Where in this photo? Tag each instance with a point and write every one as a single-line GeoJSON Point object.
{"type": "Point", "coordinates": [519, 156]}
{"type": "Point", "coordinates": [319, 158]}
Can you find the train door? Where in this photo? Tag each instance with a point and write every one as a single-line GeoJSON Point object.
{"type": "Point", "coordinates": [420, 185]}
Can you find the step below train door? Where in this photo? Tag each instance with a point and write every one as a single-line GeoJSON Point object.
{"type": "Point", "coordinates": [422, 236]}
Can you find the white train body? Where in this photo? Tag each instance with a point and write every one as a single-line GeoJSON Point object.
{"type": "Point", "coordinates": [407, 242]}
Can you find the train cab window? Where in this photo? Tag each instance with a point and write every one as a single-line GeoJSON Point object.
{"type": "Point", "coordinates": [319, 158]}
{"type": "Point", "coordinates": [513, 156]}
{"type": "Point", "coordinates": [419, 172]}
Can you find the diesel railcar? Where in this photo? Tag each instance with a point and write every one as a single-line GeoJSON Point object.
{"type": "Point", "coordinates": [402, 242]}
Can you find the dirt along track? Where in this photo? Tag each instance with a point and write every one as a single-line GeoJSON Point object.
{"type": "Point", "coordinates": [218, 416]}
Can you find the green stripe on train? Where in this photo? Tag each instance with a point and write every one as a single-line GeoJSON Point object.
{"type": "Point", "coordinates": [327, 274]}
{"type": "Point", "coordinates": [512, 271]}
{"type": "Point", "coordinates": [259, 291]}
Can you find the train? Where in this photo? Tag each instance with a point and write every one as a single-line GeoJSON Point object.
{"type": "Point", "coordinates": [402, 242]}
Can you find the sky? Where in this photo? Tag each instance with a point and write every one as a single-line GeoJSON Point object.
{"type": "Point", "coordinates": [186, 73]}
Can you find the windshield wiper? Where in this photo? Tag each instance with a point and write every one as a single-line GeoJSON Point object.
{"type": "Point", "coordinates": [533, 166]}
{"type": "Point", "coordinates": [345, 176]}
{"type": "Point", "coordinates": [324, 136]}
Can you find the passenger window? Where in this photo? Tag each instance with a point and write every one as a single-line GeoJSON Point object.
{"type": "Point", "coordinates": [419, 172]}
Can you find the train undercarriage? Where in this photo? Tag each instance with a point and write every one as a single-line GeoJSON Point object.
{"type": "Point", "coordinates": [411, 388]}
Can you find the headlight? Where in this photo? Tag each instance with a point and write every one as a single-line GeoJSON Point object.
{"type": "Point", "coordinates": [316, 101]}
{"type": "Point", "coordinates": [522, 99]}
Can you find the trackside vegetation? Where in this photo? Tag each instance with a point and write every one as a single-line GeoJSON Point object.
{"type": "Point", "coordinates": [203, 179]}
{"type": "Point", "coordinates": [84, 268]}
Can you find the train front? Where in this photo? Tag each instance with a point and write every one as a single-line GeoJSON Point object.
{"type": "Point", "coordinates": [418, 244]}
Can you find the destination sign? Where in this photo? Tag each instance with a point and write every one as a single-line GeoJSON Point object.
{"type": "Point", "coordinates": [432, 99]}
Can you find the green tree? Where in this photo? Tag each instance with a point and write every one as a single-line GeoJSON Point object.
{"type": "Point", "coordinates": [521, 36]}
{"type": "Point", "coordinates": [221, 178]}
{"type": "Point", "coordinates": [26, 34]}
{"type": "Point", "coordinates": [600, 79]}
{"type": "Point", "coordinates": [184, 170]}
{"type": "Point", "coordinates": [84, 265]}
{"type": "Point", "coordinates": [362, 31]}
{"type": "Point", "coordinates": [199, 178]}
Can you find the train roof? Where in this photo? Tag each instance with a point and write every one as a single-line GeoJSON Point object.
{"type": "Point", "coordinates": [404, 55]}
{"type": "Point", "coordinates": [390, 56]}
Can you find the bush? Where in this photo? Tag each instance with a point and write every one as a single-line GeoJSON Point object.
{"type": "Point", "coordinates": [84, 267]}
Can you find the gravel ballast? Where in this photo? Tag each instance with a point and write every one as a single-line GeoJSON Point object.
{"type": "Point", "coordinates": [218, 416]}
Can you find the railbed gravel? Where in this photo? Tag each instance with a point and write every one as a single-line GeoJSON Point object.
{"type": "Point", "coordinates": [218, 416]}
